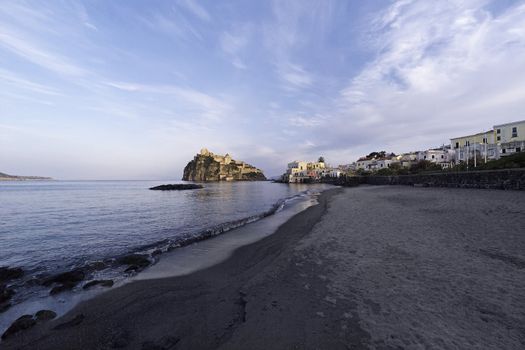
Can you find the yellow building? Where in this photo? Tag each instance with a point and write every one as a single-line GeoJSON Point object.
{"type": "Point", "coordinates": [486, 137]}
{"type": "Point", "coordinates": [502, 140]}
{"type": "Point", "coordinates": [510, 132]}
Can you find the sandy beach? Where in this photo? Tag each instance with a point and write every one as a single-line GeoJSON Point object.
{"type": "Point", "coordinates": [371, 267]}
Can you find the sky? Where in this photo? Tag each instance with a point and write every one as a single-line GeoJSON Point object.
{"type": "Point", "coordinates": [134, 89]}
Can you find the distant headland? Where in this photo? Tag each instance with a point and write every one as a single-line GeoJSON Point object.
{"type": "Point", "coordinates": [207, 166]}
{"type": "Point", "coordinates": [6, 177]}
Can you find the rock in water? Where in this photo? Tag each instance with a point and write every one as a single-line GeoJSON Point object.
{"type": "Point", "coordinates": [176, 187]}
{"type": "Point", "coordinates": [207, 166]}
{"type": "Point", "coordinates": [7, 273]}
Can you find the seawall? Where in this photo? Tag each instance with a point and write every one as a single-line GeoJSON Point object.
{"type": "Point", "coordinates": [509, 179]}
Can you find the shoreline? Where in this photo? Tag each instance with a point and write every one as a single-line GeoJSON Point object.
{"type": "Point", "coordinates": [110, 268]}
{"type": "Point", "coordinates": [370, 267]}
{"type": "Point", "coordinates": [297, 223]}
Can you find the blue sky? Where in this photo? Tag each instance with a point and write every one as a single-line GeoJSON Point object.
{"type": "Point", "coordinates": [133, 89]}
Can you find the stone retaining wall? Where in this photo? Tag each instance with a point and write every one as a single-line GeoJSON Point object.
{"type": "Point", "coordinates": [511, 179]}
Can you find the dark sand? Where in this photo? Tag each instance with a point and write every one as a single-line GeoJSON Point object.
{"type": "Point", "coordinates": [383, 267]}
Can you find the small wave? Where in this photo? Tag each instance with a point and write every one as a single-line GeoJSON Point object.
{"type": "Point", "coordinates": [170, 244]}
{"type": "Point", "coordinates": [110, 268]}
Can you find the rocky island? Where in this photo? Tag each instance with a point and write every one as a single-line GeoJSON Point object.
{"type": "Point", "coordinates": [207, 166]}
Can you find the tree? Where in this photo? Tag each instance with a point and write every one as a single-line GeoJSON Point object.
{"type": "Point", "coordinates": [321, 159]}
{"type": "Point", "coordinates": [424, 165]}
{"type": "Point", "coordinates": [381, 154]}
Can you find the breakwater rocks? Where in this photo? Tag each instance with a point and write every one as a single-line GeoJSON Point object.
{"type": "Point", "coordinates": [511, 179]}
{"type": "Point", "coordinates": [176, 187]}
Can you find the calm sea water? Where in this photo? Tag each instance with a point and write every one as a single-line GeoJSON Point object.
{"type": "Point", "coordinates": [58, 224]}
{"type": "Point", "coordinates": [52, 226]}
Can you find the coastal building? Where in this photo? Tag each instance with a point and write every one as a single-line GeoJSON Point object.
{"type": "Point", "coordinates": [406, 160]}
{"type": "Point", "coordinates": [479, 146]}
{"type": "Point", "coordinates": [301, 171]}
{"type": "Point", "coordinates": [364, 163]}
{"type": "Point", "coordinates": [375, 163]}
{"type": "Point", "coordinates": [502, 140]}
{"type": "Point", "coordinates": [443, 157]}
{"type": "Point", "coordinates": [510, 137]}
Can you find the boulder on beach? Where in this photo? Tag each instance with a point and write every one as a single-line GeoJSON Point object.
{"type": "Point", "coordinates": [45, 315]}
{"type": "Point", "coordinates": [65, 281]}
{"type": "Point", "coordinates": [69, 277]}
{"type": "Point", "coordinates": [135, 262]}
{"type": "Point", "coordinates": [176, 187]}
{"type": "Point", "coordinates": [22, 323]}
{"type": "Point", "coordinates": [102, 283]}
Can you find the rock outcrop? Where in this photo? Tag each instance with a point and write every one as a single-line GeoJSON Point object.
{"type": "Point", "coordinates": [207, 166]}
{"type": "Point", "coordinates": [176, 187]}
{"type": "Point", "coordinates": [7, 177]}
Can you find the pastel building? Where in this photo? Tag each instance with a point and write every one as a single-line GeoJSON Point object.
{"type": "Point", "coordinates": [510, 137]}
{"type": "Point", "coordinates": [502, 140]}
{"type": "Point", "coordinates": [301, 171]}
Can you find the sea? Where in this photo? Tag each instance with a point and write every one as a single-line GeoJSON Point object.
{"type": "Point", "coordinates": [49, 227]}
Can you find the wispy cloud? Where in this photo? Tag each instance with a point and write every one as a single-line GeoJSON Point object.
{"type": "Point", "coordinates": [19, 82]}
{"type": "Point", "coordinates": [172, 23]}
{"type": "Point", "coordinates": [196, 9]}
{"type": "Point", "coordinates": [234, 42]}
{"type": "Point", "coordinates": [30, 51]}
{"type": "Point", "coordinates": [294, 76]}
{"type": "Point", "coordinates": [206, 105]}
{"type": "Point", "coordinates": [435, 67]}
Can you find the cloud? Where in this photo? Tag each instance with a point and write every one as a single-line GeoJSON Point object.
{"type": "Point", "coordinates": [19, 82]}
{"type": "Point", "coordinates": [204, 105]}
{"type": "Point", "coordinates": [441, 70]}
{"type": "Point", "coordinates": [196, 9]}
{"type": "Point", "coordinates": [26, 48]}
{"type": "Point", "coordinates": [294, 76]}
{"type": "Point", "coordinates": [171, 23]}
{"type": "Point", "coordinates": [234, 42]}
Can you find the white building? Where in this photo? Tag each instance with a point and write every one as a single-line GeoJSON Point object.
{"type": "Point", "coordinates": [444, 157]}
{"type": "Point", "coordinates": [406, 160]}
{"type": "Point", "coordinates": [371, 164]}
{"type": "Point", "coordinates": [510, 137]}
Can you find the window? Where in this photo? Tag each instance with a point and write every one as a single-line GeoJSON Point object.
{"type": "Point", "coordinates": [432, 156]}
{"type": "Point", "coordinates": [484, 140]}
{"type": "Point", "coordinates": [424, 157]}
{"type": "Point", "coordinates": [467, 143]}
{"type": "Point", "coordinates": [515, 132]}
{"type": "Point", "coordinates": [457, 144]}
{"type": "Point", "coordinates": [518, 149]}
{"type": "Point", "coordinates": [498, 131]}
{"type": "Point", "coordinates": [499, 138]}
{"type": "Point", "coordinates": [504, 151]}
{"type": "Point", "coordinates": [442, 156]}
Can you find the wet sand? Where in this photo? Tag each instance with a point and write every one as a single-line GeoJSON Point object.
{"type": "Point", "coordinates": [381, 267]}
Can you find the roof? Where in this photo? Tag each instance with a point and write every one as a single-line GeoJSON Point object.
{"type": "Point", "coordinates": [479, 133]}
{"type": "Point", "coordinates": [518, 122]}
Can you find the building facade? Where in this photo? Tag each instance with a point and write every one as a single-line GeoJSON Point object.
{"type": "Point", "coordinates": [502, 140]}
